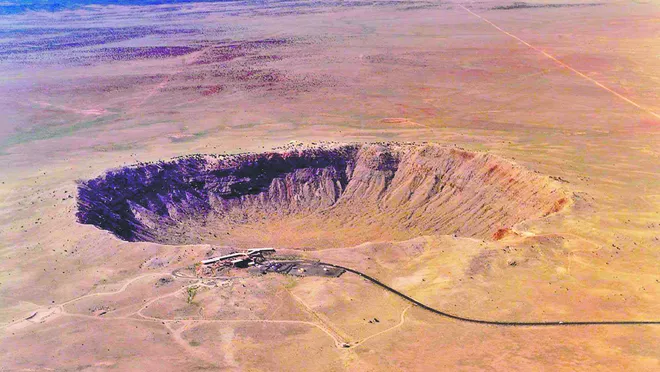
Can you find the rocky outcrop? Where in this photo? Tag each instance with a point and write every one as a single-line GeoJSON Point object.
{"type": "Point", "coordinates": [426, 188]}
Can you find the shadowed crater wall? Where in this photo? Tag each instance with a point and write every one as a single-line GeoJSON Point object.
{"type": "Point", "coordinates": [315, 197]}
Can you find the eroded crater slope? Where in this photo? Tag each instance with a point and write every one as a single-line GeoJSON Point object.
{"type": "Point", "coordinates": [313, 197]}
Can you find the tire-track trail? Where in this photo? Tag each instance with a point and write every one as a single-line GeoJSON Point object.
{"type": "Point", "coordinates": [564, 65]}
{"type": "Point", "coordinates": [403, 320]}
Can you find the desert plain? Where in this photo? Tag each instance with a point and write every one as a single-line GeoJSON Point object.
{"type": "Point", "coordinates": [559, 97]}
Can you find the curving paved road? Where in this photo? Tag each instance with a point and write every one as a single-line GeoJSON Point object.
{"type": "Point", "coordinates": [492, 322]}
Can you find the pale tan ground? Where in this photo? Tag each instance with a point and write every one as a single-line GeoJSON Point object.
{"type": "Point", "coordinates": [455, 79]}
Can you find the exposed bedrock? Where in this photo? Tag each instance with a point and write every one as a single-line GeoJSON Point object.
{"type": "Point", "coordinates": [416, 188]}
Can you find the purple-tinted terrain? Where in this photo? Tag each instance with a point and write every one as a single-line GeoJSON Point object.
{"type": "Point", "coordinates": [22, 41]}
{"type": "Point", "coordinates": [189, 186]}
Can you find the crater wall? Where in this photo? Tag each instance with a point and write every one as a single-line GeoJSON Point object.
{"type": "Point", "coordinates": [413, 189]}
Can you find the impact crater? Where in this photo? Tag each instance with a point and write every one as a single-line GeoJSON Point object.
{"type": "Point", "coordinates": [318, 197]}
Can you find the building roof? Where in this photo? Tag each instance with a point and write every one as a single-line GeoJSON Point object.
{"type": "Point", "coordinates": [225, 257]}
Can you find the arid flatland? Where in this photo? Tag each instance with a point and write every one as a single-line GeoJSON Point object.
{"type": "Point", "coordinates": [437, 107]}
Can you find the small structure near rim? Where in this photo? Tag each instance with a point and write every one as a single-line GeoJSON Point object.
{"type": "Point", "coordinates": [241, 259]}
{"type": "Point", "coordinates": [223, 258]}
{"type": "Point", "coordinates": [258, 264]}
{"type": "Point", "coordinates": [299, 268]}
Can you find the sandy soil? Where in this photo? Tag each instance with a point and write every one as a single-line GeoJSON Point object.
{"type": "Point", "coordinates": [577, 100]}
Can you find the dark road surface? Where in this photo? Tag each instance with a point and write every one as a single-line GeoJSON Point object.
{"type": "Point", "coordinates": [493, 322]}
